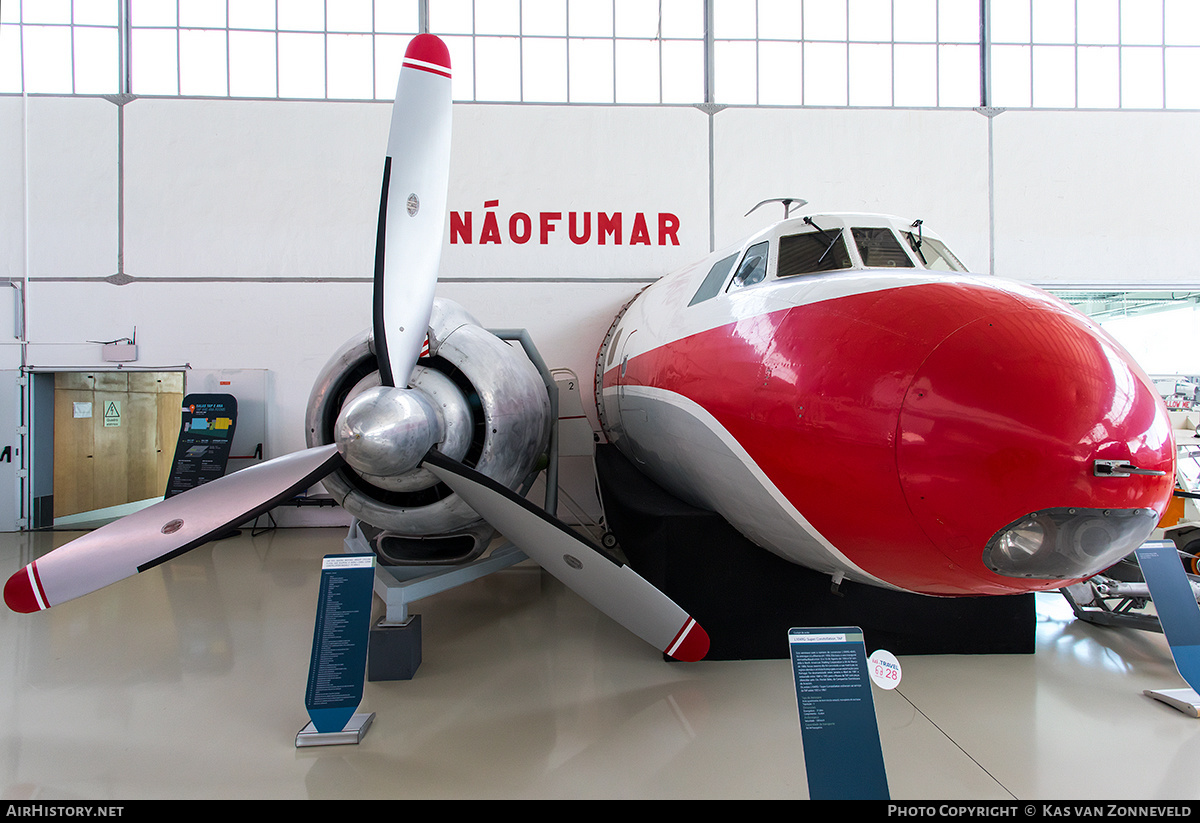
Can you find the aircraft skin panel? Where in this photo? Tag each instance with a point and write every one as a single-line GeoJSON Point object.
{"type": "Point", "coordinates": [863, 409]}
{"type": "Point", "coordinates": [700, 462]}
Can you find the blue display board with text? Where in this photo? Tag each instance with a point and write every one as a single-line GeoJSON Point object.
{"type": "Point", "coordinates": [842, 753]}
{"type": "Point", "coordinates": [1175, 604]}
{"type": "Point", "coordinates": [337, 670]}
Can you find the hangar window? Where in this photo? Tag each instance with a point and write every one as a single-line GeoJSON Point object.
{"type": "Point", "coordinates": [812, 252]}
{"type": "Point", "coordinates": [880, 248]}
{"type": "Point", "coordinates": [1102, 54]}
{"type": "Point", "coordinates": [753, 268]}
{"type": "Point", "coordinates": [711, 286]}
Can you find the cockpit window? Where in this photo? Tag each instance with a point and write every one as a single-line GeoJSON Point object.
{"type": "Point", "coordinates": [753, 267]}
{"type": "Point", "coordinates": [711, 286]}
{"type": "Point", "coordinates": [933, 253]}
{"type": "Point", "coordinates": [880, 248]}
{"type": "Point", "coordinates": [812, 252]}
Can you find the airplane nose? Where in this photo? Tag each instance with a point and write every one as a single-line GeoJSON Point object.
{"type": "Point", "coordinates": [999, 436]}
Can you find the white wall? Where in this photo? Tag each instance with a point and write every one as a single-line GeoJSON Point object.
{"type": "Point", "coordinates": [249, 226]}
{"type": "Point", "coordinates": [1098, 198]}
{"type": "Point", "coordinates": [931, 165]}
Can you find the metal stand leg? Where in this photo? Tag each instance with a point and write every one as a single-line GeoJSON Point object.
{"type": "Point", "coordinates": [394, 651]}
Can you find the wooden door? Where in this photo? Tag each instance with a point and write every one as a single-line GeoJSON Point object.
{"type": "Point", "coordinates": [114, 437]}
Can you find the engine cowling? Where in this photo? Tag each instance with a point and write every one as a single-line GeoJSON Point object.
{"type": "Point", "coordinates": [493, 415]}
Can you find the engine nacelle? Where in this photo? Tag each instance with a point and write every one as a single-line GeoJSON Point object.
{"type": "Point", "coordinates": [494, 414]}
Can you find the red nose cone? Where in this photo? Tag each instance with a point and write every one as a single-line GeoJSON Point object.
{"type": "Point", "coordinates": [1007, 417]}
{"type": "Point", "coordinates": [18, 592]}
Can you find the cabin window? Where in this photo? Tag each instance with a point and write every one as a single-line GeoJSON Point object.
{"type": "Point", "coordinates": [711, 286]}
{"type": "Point", "coordinates": [880, 248]}
{"type": "Point", "coordinates": [753, 268]}
{"type": "Point", "coordinates": [812, 252]}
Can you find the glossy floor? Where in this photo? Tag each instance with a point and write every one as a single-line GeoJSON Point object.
{"type": "Point", "coordinates": [188, 681]}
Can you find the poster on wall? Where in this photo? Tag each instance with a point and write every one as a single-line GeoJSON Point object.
{"type": "Point", "coordinates": [205, 440]}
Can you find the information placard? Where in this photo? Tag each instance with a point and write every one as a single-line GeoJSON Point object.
{"type": "Point", "coordinates": [1175, 604]}
{"type": "Point", "coordinates": [842, 753]}
{"type": "Point", "coordinates": [205, 439]}
{"type": "Point", "coordinates": [339, 654]}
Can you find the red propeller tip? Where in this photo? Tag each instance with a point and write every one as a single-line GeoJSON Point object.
{"type": "Point", "coordinates": [429, 48]}
{"type": "Point", "coordinates": [19, 594]}
{"type": "Point", "coordinates": [691, 644]}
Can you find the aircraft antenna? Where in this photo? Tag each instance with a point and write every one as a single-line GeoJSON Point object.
{"type": "Point", "coordinates": [787, 205]}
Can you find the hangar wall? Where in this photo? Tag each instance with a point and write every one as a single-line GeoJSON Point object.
{"type": "Point", "coordinates": [245, 229]}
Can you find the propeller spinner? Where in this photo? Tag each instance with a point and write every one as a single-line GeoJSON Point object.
{"type": "Point", "coordinates": [382, 432]}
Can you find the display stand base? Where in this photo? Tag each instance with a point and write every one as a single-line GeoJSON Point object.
{"type": "Point", "coordinates": [1185, 700]}
{"type": "Point", "coordinates": [747, 598]}
{"type": "Point", "coordinates": [354, 732]}
{"type": "Point", "coordinates": [394, 651]}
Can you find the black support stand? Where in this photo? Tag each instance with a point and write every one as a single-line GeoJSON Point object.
{"type": "Point", "coordinates": [747, 598]}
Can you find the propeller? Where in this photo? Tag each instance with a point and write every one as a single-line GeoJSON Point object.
{"type": "Point", "coordinates": [383, 431]}
{"type": "Point", "coordinates": [594, 574]}
{"type": "Point", "coordinates": [412, 208]}
{"type": "Point", "coordinates": [156, 534]}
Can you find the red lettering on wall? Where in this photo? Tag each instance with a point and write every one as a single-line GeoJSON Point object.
{"type": "Point", "coordinates": [547, 224]}
{"type": "Point", "coordinates": [640, 234]}
{"type": "Point", "coordinates": [668, 228]}
{"type": "Point", "coordinates": [579, 227]}
{"type": "Point", "coordinates": [491, 231]}
{"type": "Point", "coordinates": [460, 228]}
{"type": "Point", "coordinates": [576, 238]}
{"type": "Point", "coordinates": [608, 226]}
{"type": "Point", "coordinates": [522, 234]}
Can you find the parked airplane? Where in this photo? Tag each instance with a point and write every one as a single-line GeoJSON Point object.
{"type": "Point", "coordinates": [843, 392]}
{"type": "Point", "coordinates": [1002, 442]}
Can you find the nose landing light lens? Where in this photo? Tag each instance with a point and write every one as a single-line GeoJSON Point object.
{"type": "Point", "coordinates": [1068, 542]}
{"type": "Point", "coordinates": [1023, 540]}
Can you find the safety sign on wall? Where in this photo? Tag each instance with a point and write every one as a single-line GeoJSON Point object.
{"type": "Point", "coordinates": [112, 413]}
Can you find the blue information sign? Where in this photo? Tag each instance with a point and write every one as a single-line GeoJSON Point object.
{"type": "Point", "coordinates": [1175, 604]}
{"type": "Point", "coordinates": [842, 752]}
{"type": "Point", "coordinates": [339, 653]}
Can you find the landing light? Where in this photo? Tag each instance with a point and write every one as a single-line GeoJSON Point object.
{"type": "Point", "coordinates": [1066, 543]}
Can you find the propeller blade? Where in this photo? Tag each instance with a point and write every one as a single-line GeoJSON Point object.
{"type": "Point", "coordinates": [599, 578]}
{"type": "Point", "coordinates": [165, 530]}
{"type": "Point", "coordinates": [412, 208]}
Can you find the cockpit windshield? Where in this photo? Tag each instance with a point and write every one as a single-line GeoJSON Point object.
{"type": "Point", "coordinates": [827, 244]}
{"type": "Point", "coordinates": [880, 248]}
{"type": "Point", "coordinates": [933, 254]}
{"type": "Point", "coordinates": [812, 252]}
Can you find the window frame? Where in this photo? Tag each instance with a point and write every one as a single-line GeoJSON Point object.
{"type": "Point", "coordinates": [1023, 56]}
{"type": "Point", "coordinates": [814, 231]}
